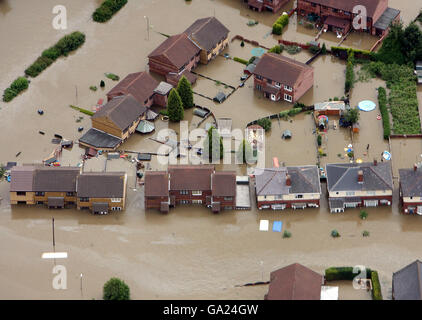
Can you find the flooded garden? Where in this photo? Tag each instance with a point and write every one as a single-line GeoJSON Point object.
{"type": "Point", "coordinates": [188, 253]}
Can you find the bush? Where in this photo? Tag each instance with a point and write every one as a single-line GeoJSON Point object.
{"type": "Point", "coordinates": [335, 233]}
{"type": "Point", "coordinates": [251, 60]}
{"type": "Point", "coordinates": [324, 48]}
{"type": "Point", "coordinates": [382, 102]}
{"type": "Point", "coordinates": [363, 214]}
{"type": "Point", "coordinates": [319, 140]}
{"type": "Point", "coordinates": [9, 94]}
{"type": "Point", "coordinates": [277, 49]}
{"type": "Point", "coordinates": [19, 84]}
{"type": "Point", "coordinates": [314, 49]}
{"type": "Point", "coordinates": [365, 233]}
{"type": "Point", "coordinates": [242, 44]}
{"type": "Point", "coordinates": [102, 84]}
{"type": "Point", "coordinates": [293, 49]}
{"type": "Point", "coordinates": [376, 286]}
{"type": "Point", "coordinates": [107, 9]}
{"type": "Point", "coordinates": [93, 88]}
{"type": "Point", "coordinates": [240, 60]}
{"type": "Point", "coordinates": [287, 234]}
{"type": "Point", "coordinates": [175, 106]}
{"type": "Point", "coordinates": [265, 123]}
{"type": "Point", "coordinates": [350, 74]}
{"type": "Point", "coordinates": [112, 76]}
{"type": "Point", "coordinates": [116, 289]}
{"type": "Point", "coordinates": [342, 273]}
{"type": "Point", "coordinates": [63, 47]}
{"type": "Point", "coordinates": [280, 24]}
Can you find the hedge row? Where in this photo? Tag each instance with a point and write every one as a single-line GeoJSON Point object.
{"type": "Point", "coordinates": [350, 74]}
{"type": "Point", "coordinates": [290, 113]}
{"type": "Point", "coordinates": [15, 88]}
{"type": "Point", "coordinates": [382, 101]}
{"type": "Point", "coordinates": [345, 52]}
{"type": "Point", "coordinates": [63, 47]}
{"type": "Point", "coordinates": [342, 273]}
{"type": "Point", "coordinates": [243, 61]}
{"type": "Point", "coordinates": [376, 286]}
{"type": "Point", "coordinates": [280, 24]}
{"type": "Point", "coordinates": [107, 9]}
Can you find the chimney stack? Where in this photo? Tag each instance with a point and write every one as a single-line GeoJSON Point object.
{"type": "Point", "coordinates": [415, 167]}
{"type": "Point", "coordinates": [375, 162]}
{"type": "Point", "coordinates": [360, 176]}
{"type": "Point", "coordinates": [288, 180]}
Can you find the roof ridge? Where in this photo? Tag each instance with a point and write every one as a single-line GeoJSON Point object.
{"type": "Point", "coordinates": [376, 173]}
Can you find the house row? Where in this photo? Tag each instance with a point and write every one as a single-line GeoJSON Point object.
{"type": "Point", "coordinates": [190, 184]}
{"type": "Point", "coordinates": [340, 15]}
{"type": "Point", "coordinates": [280, 78]}
{"type": "Point", "coordinates": [59, 187]}
{"type": "Point", "coordinates": [128, 103]}
{"type": "Point", "coordinates": [178, 55]}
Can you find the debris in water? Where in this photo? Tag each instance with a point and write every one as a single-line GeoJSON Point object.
{"type": "Point", "coordinates": [58, 136]}
{"type": "Point", "coordinates": [80, 129]}
{"type": "Point", "coordinates": [41, 132]}
{"type": "Point", "coordinates": [18, 154]}
{"type": "Point", "coordinates": [40, 112]}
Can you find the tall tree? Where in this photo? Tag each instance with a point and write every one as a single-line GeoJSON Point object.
{"type": "Point", "coordinates": [213, 145]}
{"type": "Point", "coordinates": [184, 88]}
{"type": "Point", "coordinates": [245, 153]}
{"type": "Point", "coordinates": [175, 106]}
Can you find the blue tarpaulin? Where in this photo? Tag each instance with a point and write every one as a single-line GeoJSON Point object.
{"type": "Point", "coordinates": [277, 226]}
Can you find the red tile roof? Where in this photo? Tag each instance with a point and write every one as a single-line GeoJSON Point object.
{"type": "Point", "coordinates": [207, 32]}
{"type": "Point", "coordinates": [177, 50]}
{"type": "Point", "coordinates": [22, 178]}
{"type": "Point", "coordinates": [140, 85]}
{"type": "Point", "coordinates": [295, 282]}
{"type": "Point", "coordinates": [156, 184]}
{"type": "Point", "coordinates": [190, 177]}
{"type": "Point", "coordinates": [224, 184]}
{"type": "Point", "coordinates": [280, 68]}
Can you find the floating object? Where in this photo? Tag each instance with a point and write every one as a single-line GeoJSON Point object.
{"type": "Point", "coordinates": [58, 136]}
{"type": "Point", "coordinates": [378, 117]}
{"type": "Point", "coordinates": [55, 141]}
{"type": "Point", "coordinates": [366, 105]}
{"type": "Point", "coordinates": [386, 155]}
{"type": "Point", "coordinates": [165, 118]}
{"type": "Point", "coordinates": [54, 255]}
{"type": "Point", "coordinates": [276, 164]}
{"type": "Point", "coordinates": [67, 143]}
{"type": "Point", "coordinates": [350, 146]}
{"type": "Point", "coordinates": [139, 174]}
{"type": "Point", "coordinates": [287, 134]}
{"type": "Point", "coordinates": [18, 154]}
{"type": "Point", "coordinates": [80, 129]}
{"type": "Point", "coordinates": [226, 55]}
{"type": "Point", "coordinates": [41, 132]}
{"type": "Point", "coordinates": [9, 178]}
{"type": "Point", "coordinates": [40, 112]}
{"type": "Point", "coordinates": [200, 113]}
{"type": "Point", "coordinates": [359, 161]}
{"type": "Point", "coordinates": [144, 156]}
{"type": "Point", "coordinates": [145, 127]}
{"type": "Point", "coordinates": [277, 226]}
{"type": "Point", "coordinates": [263, 225]}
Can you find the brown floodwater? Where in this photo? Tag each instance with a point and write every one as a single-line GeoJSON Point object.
{"type": "Point", "coordinates": [189, 253]}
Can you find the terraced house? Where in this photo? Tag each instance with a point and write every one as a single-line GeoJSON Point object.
{"type": "Point", "coordinates": [281, 78]}
{"type": "Point", "coordinates": [190, 184]}
{"type": "Point", "coordinates": [54, 187]}
{"type": "Point", "coordinates": [339, 15]}
{"type": "Point", "coordinates": [268, 5]}
{"type": "Point", "coordinates": [210, 35]}
{"type": "Point", "coordinates": [101, 192]}
{"type": "Point", "coordinates": [411, 190]}
{"type": "Point", "coordinates": [352, 185]}
{"type": "Point", "coordinates": [287, 187]}
{"type": "Point", "coordinates": [114, 123]}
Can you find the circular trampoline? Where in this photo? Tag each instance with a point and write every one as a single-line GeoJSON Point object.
{"type": "Point", "coordinates": [366, 105]}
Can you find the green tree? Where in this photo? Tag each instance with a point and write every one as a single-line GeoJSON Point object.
{"type": "Point", "coordinates": [324, 49]}
{"type": "Point", "coordinates": [245, 153]}
{"type": "Point", "coordinates": [116, 289]}
{"type": "Point", "coordinates": [391, 49]}
{"type": "Point", "coordinates": [175, 106]}
{"type": "Point", "coordinates": [213, 145]}
{"type": "Point", "coordinates": [184, 88]}
{"type": "Point", "coordinates": [352, 115]}
{"type": "Point", "coordinates": [265, 123]}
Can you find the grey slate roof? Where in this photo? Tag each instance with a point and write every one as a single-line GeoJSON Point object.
{"type": "Point", "coordinates": [22, 178]}
{"type": "Point", "coordinates": [411, 182]}
{"type": "Point", "coordinates": [386, 18]}
{"type": "Point", "coordinates": [407, 282]}
{"type": "Point", "coordinates": [55, 179]}
{"type": "Point", "coordinates": [122, 111]}
{"type": "Point", "coordinates": [344, 177]}
{"type": "Point", "coordinates": [101, 185]}
{"type": "Point", "coordinates": [272, 181]}
{"type": "Point", "coordinates": [207, 32]}
{"type": "Point", "coordinates": [99, 139]}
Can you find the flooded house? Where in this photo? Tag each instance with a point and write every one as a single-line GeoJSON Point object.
{"type": "Point", "coordinates": [210, 35]}
{"type": "Point", "coordinates": [295, 282]}
{"type": "Point", "coordinates": [114, 123]}
{"type": "Point", "coordinates": [282, 78]}
{"type": "Point", "coordinates": [190, 184]}
{"type": "Point", "coordinates": [267, 5]}
{"type": "Point", "coordinates": [411, 190]}
{"type": "Point", "coordinates": [175, 57]}
{"type": "Point", "coordinates": [287, 187]}
{"type": "Point", "coordinates": [101, 192]}
{"type": "Point", "coordinates": [54, 187]}
{"type": "Point", "coordinates": [407, 282]}
{"type": "Point", "coordinates": [338, 15]}
{"type": "Point", "coordinates": [353, 185]}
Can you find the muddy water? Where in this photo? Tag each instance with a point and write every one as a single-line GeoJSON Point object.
{"type": "Point", "coordinates": [188, 253]}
